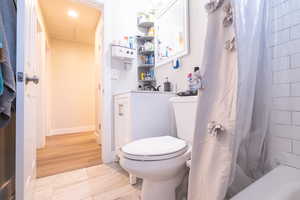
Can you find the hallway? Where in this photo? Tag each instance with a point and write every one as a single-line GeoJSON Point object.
{"type": "Point", "coordinates": [68, 152]}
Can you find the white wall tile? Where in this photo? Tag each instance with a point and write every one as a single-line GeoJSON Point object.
{"type": "Point", "coordinates": [294, 5]}
{"type": "Point", "coordinates": [281, 117]}
{"type": "Point", "coordinates": [294, 47]}
{"type": "Point", "coordinates": [282, 36]}
{"type": "Point", "coordinates": [294, 18]}
{"type": "Point", "coordinates": [285, 131]}
{"type": "Point", "coordinates": [281, 90]}
{"type": "Point", "coordinates": [285, 120]}
{"type": "Point", "coordinates": [282, 9]}
{"type": "Point", "coordinates": [295, 32]}
{"type": "Point", "coordinates": [295, 60]}
{"type": "Point", "coordinates": [287, 103]}
{"type": "Point", "coordinates": [296, 147]}
{"type": "Point", "coordinates": [296, 118]}
{"type": "Point", "coordinates": [290, 160]}
{"type": "Point", "coordinates": [281, 63]}
{"type": "Point", "coordinates": [282, 50]}
{"type": "Point", "coordinates": [280, 23]}
{"type": "Point", "coordinates": [277, 2]}
{"type": "Point", "coordinates": [295, 89]}
{"type": "Point", "coordinates": [280, 144]}
{"type": "Point", "coordinates": [287, 76]}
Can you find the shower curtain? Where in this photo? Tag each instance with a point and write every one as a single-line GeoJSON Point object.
{"type": "Point", "coordinates": [233, 112]}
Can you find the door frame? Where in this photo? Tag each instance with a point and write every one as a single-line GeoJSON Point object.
{"type": "Point", "coordinates": [107, 123]}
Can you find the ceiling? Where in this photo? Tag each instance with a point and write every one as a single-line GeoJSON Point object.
{"type": "Point", "coordinates": [61, 26]}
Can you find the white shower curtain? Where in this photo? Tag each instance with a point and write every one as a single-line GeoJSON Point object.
{"type": "Point", "coordinates": [236, 97]}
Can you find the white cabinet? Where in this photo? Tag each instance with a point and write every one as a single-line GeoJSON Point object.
{"type": "Point", "coordinates": [121, 120]}
{"type": "Point", "coordinates": [140, 115]}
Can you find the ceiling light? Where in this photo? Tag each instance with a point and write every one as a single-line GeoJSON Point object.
{"type": "Point", "coordinates": [72, 13]}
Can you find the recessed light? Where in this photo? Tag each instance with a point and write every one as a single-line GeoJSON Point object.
{"type": "Point", "coordinates": [73, 14]}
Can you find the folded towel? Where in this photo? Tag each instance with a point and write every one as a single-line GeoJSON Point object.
{"type": "Point", "coordinates": [8, 64]}
{"type": "Point", "coordinates": [1, 60]}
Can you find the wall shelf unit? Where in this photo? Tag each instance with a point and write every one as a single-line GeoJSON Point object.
{"type": "Point", "coordinates": [146, 55]}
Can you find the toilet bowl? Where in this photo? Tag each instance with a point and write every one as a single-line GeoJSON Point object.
{"type": "Point", "coordinates": [161, 172]}
{"type": "Point", "coordinates": [161, 161]}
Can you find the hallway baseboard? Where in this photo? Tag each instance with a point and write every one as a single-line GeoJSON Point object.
{"type": "Point", "coordinates": [72, 130]}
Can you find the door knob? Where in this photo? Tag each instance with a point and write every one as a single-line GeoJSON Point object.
{"type": "Point", "coordinates": [34, 79]}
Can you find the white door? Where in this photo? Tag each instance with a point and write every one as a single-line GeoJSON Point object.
{"type": "Point", "coordinates": [42, 88]}
{"type": "Point", "coordinates": [26, 99]}
{"type": "Point", "coordinates": [99, 79]}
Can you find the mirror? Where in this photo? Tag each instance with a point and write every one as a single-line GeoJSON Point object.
{"type": "Point", "coordinates": [171, 27]}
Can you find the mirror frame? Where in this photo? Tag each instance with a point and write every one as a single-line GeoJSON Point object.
{"type": "Point", "coordinates": [186, 50]}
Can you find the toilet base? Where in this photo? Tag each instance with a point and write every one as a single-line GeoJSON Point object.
{"type": "Point", "coordinates": [161, 190]}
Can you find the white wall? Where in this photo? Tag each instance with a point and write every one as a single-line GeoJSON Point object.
{"type": "Point", "coordinates": [198, 22]}
{"type": "Point", "coordinates": [119, 20]}
{"type": "Point", "coordinates": [285, 123]}
{"type": "Point", "coordinates": [72, 87]}
{"type": "Point", "coordinates": [124, 23]}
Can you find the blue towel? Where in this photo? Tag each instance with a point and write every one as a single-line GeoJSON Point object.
{"type": "Point", "coordinates": [8, 22]}
{"type": "Point", "coordinates": [1, 76]}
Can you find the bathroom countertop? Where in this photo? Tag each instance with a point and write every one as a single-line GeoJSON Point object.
{"type": "Point", "coordinates": [144, 91]}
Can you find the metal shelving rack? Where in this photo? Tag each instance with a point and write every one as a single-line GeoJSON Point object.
{"type": "Point", "coordinates": [144, 67]}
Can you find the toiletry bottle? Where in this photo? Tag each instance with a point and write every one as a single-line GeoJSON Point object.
{"type": "Point", "coordinates": [131, 42]}
{"type": "Point", "coordinates": [194, 82]}
{"type": "Point", "coordinates": [167, 85]}
{"type": "Point", "coordinates": [189, 79]}
{"type": "Point", "coordinates": [142, 76]}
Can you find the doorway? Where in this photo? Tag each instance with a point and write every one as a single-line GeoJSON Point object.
{"type": "Point", "coordinates": [69, 53]}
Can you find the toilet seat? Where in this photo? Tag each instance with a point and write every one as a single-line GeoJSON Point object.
{"type": "Point", "coordinates": [154, 149]}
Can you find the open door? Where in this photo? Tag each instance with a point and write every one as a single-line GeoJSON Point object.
{"type": "Point", "coordinates": [99, 77]}
{"type": "Point", "coordinates": [42, 88]}
{"type": "Point", "coordinates": [26, 105]}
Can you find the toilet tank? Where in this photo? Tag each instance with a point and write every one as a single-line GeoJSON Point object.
{"type": "Point", "coordinates": [185, 109]}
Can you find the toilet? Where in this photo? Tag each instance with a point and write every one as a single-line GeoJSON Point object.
{"type": "Point", "coordinates": [161, 161]}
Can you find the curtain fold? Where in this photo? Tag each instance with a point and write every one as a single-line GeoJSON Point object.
{"type": "Point", "coordinates": [237, 83]}
{"type": "Point", "coordinates": [252, 27]}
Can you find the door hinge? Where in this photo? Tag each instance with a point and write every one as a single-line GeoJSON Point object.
{"type": "Point", "coordinates": [20, 77]}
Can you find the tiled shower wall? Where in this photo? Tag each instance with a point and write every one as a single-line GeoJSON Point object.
{"type": "Point", "coordinates": [285, 120]}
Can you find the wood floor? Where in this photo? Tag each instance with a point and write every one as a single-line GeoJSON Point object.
{"type": "Point", "coordinates": [68, 152]}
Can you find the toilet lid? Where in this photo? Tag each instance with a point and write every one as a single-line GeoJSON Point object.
{"type": "Point", "coordinates": [156, 148]}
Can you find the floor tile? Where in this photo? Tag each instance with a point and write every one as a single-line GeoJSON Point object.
{"type": "Point", "coordinates": [117, 193]}
{"type": "Point", "coordinates": [69, 178]}
{"type": "Point", "coordinates": [102, 182]}
{"type": "Point", "coordinates": [76, 191]}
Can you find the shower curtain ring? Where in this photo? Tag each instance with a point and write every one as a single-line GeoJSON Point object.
{"type": "Point", "coordinates": [214, 128]}
{"type": "Point", "coordinates": [213, 5]}
{"type": "Point", "coordinates": [228, 20]}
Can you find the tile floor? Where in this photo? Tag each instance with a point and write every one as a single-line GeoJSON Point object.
{"type": "Point", "coordinates": [101, 182]}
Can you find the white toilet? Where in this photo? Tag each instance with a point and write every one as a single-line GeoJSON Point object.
{"type": "Point", "coordinates": [161, 161]}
